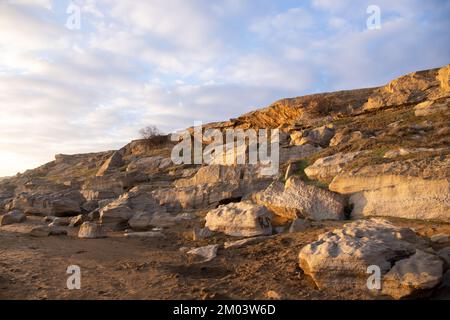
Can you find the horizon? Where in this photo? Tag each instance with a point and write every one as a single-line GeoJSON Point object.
{"type": "Point", "coordinates": [132, 64]}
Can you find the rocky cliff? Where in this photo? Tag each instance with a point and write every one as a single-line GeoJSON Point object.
{"type": "Point", "coordinates": [348, 155]}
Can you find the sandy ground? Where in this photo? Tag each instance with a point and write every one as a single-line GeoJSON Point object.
{"type": "Point", "coordinates": [122, 268]}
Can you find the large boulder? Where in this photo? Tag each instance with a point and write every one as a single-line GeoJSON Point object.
{"type": "Point", "coordinates": [295, 199]}
{"type": "Point", "coordinates": [380, 191]}
{"type": "Point", "coordinates": [12, 217]}
{"type": "Point", "coordinates": [243, 219]}
{"type": "Point", "coordinates": [91, 230]}
{"type": "Point", "coordinates": [340, 259]}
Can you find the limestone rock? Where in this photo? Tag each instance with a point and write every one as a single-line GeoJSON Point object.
{"type": "Point", "coordinates": [411, 88]}
{"type": "Point", "coordinates": [421, 271]}
{"type": "Point", "coordinates": [45, 231]}
{"type": "Point", "coordinates": [298, 199]}
{"type": "Point", "coordinates": [91, 230]}
{"type": "Point", "coordinates": [113, 162]}
{"type": "Point", "coordinates": [242, 219]}
{"type": "Point", "coordinates": [164, 219]}
{"type": "Point", "coordinates": [392, 195]}
{"type": "Point", "coordinates": [12, 217]}
{"type": "Point", "coordinates": [327, 168]}
{"type": "Point", "coordinates": [115, 215]}
{"type": "Point", "coordinates": [45, 205]}
{"type": "Point", "coordinates": [339, 259]}
{"type": "Point", "coordinates": [141, 221]}
{"type": "Point", "coordinates": [207, 253]}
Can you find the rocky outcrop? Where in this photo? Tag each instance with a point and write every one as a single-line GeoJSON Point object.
{"type": "Point", "coordinates": [340, 259]}
{"type": "Point", "coordinates": [242, 219]}
{"type": "Point", "coordinates": [393, 195]}
{"type": "Point", "coordinates": [114, 162]}
{"type": "Point", "coordinates": [412, 88]}
{"type": "Point", "coordinates": [295, 199]}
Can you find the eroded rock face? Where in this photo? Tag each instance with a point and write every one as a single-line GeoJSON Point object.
{"type": "Point", "coordinates": [242, 219]}
{"type": "Point", "coordinates": [298, 199]}
{"type": "Point", "coordinates": [395, 196]}
{"type": "Point", "coordinates": [340, 259]}
{"type": "Point", "coordinates": [141, 221]}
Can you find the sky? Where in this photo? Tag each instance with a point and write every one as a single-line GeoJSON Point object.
{"type": "Point", "coordinates": [69, 87]}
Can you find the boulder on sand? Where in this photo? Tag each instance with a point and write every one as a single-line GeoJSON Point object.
{"type": "Point", "coordinates": [243, 219]}
{"type": "Point", "coordinates": [295, 199]}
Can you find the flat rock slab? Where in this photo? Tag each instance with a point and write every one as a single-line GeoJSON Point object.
{"type": "Point", "coordinates": [243, 242]}
{"type": "Point", "coordinates": [148, 234]}
{"type": "Point", "coordinates": [207, 253]}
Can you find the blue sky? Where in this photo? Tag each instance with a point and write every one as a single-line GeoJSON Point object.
{"type": "Point", "coordinates": [173, 62]}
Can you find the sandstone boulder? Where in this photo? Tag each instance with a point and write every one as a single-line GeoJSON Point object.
{"type": "Point", "coordinates": [141, 221]}
{"type": "Point", "coordinates": [295, 199]}
{"type": "Point", "coordinates": [242, 219]}
{"type": "Point", "coordinates": [78, 220]}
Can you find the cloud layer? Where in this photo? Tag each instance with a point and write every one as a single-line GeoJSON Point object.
{"type": "Point", "coordinates": [170, 62]}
